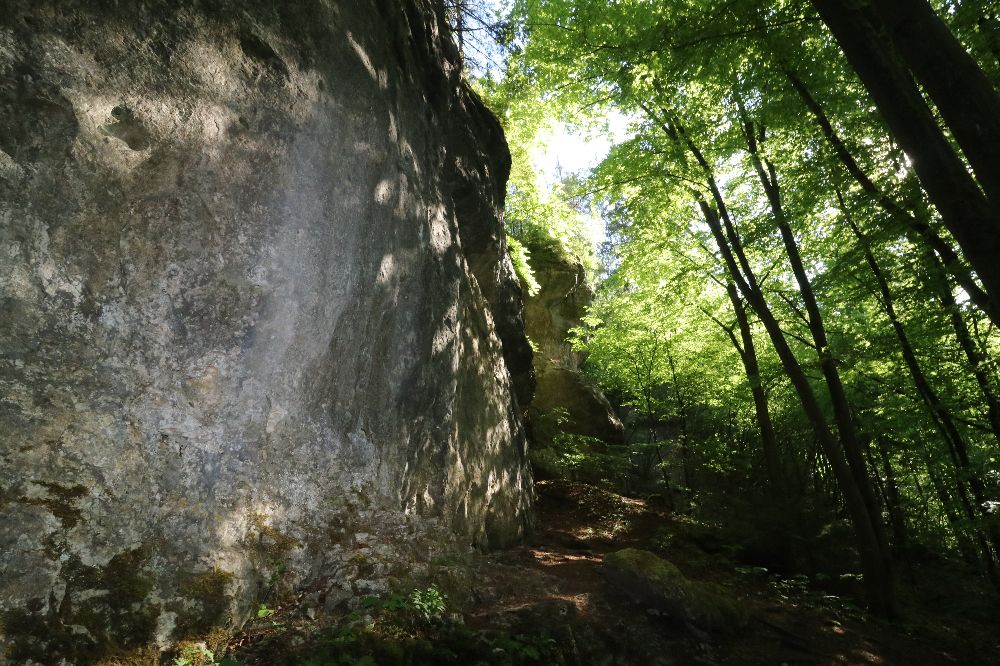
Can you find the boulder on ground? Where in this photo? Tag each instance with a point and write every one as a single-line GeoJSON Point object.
{"type": "Point", "coordinates": [659, 584]}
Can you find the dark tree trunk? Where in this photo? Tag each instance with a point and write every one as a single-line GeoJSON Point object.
{"type": "Point", "coordinates": [682, 413]}
{"type": "Point", "coordinates": [942, 417]}
{"type": "Point", "coordinates": [878, 579]}
{"type": "Point", "coordinates": [853, 446]}
{"type": "Point", "coordinates": [748, 354]}
{"type": "Point", "coordinates": [965, 545]}
{"type": "Point", "coordinates": [901, 216]}
{"type": "Point", "coordinates": [953, 79]}
{"type": "Point", "coordinates": [897, 517]}
{"type": "Point", "coordinates": [788, 519]}
{"type": "Point", "coordinates": [977, 361]}
{"type": "Point", "coordinates": [963, 207]}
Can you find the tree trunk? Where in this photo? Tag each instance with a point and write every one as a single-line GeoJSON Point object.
{"type": "Point", "coordinates": [942, 417]}
{"type": "Point", "coordinates": [965, 545]}
{"type": "Point", "coordinates": [878, 579]}
{"type": "Point", "coordinates": [953, 79]}
{"type": "Point", "coordinates": [901, 216]}
{"type": "Point", "coordinates": [977, 361]}
{"type": "Point", "coordinates": [897, 517]}
{"type": "Point", "coordinates": [682, 413]}
{"type": "Point", "coordinates": [748, 354]}
{"type": "Point", "coordinates": [853, 446]}
{"type": "Point", "coordinates": [877, 576]}
{"type": "Point", "coordinates": [963, 207]}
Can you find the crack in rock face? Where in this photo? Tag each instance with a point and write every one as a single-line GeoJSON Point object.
{"type": "Point", "coordinates": [255, 302]}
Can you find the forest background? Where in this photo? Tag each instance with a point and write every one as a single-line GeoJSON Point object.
{"type": "Point", "coordinates": [798, 282]}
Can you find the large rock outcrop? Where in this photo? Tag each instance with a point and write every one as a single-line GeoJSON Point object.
{"type": "Point", "coordinates": [256, 316]}
{"type": "Point", "coordinates": [565, 399]}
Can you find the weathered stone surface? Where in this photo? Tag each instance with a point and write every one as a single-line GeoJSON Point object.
{"type": "Point", "coordinates": [565, 399]}
{"type": "Point", "coordinates": [658, 584]}
{"type": "Point", "coordinates": [253, 300]}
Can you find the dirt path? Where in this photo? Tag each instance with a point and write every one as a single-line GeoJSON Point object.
{"type": "Point", "coordinates": [561, 571]}
{"type": "Point", "coordinates": [549, 603]}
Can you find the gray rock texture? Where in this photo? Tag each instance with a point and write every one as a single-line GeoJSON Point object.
{"type": "Point", "coordinates": [256, 313]}
{"type": "Point", "coordinates": [565, 399]}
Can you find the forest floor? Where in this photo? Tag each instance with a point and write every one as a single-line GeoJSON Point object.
{"type": "Point", "coordinates": [549, 602]}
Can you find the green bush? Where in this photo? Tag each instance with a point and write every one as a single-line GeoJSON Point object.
{"type": "Point", "coordinates": [522, 267]}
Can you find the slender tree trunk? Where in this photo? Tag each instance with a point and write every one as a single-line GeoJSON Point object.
{"type": "Point", "coordinates": [877, 577]}
{"type": "Point", "coordinates": [953, 79]}
{"type": "Point", "coordinates": [682, 413]}
{"type": "Point", "coordinates": [924, 499]}
{"type": "Point", "coordinates": [748, 354]}
{"type": "Point", "coordinates": [644, 377]}
{"type": "Point", "coordinates": [965, 545]}
{"type": "Point", "coordinates": [789, 520]}
{"type": "Point", "coordinates": [901, 216]}
{"type": "Point", "coordinates": [942, 257]}
{"type": "Point", "coordinates": [853, 446]}
{"type": "Point", "coordinates": [977, 361]}
{"type": "Point", "coordinates": [942, 417]}
{"type": "Point", "coordinates": [963, 207]}
{"type": "Point", "coordinates": [897, 517]}
{"type": "Point", "coordinates": [987, 560]}
{"type": "Point", "coordinates": [879, 584]}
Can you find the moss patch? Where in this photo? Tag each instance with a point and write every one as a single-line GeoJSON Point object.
{"type": "Point", "coordinates": [145, 656]}
{"type": "Point", "coordinates": [60, 502]}
{"type": "Point", "coordinates": [270, 548]}
{"type": "Point", "coordinates": [208, 602]}
{"type": "Point", "coordinates": [654, 581]}
{"type": "Point", "coordinates": [112, 619]}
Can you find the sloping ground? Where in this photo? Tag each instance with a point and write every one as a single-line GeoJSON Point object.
{"type": "Point", "coordinates": [790, 623]}
{"type": "Point", "coordinates": [549, 602]}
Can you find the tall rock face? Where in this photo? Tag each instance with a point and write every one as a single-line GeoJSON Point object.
{"type": "Point", "coordinates": [256, 316]}
{"type": "Point", "coordinates": [565, 399]}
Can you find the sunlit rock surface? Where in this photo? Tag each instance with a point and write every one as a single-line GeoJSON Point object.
{"type": "Point", "coordinates": [254, 313]}
{"type": "Point", "coordinates": [565, 399]}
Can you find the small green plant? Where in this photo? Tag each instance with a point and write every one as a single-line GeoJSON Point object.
{"type": "Point", "coordinates": [265, 613]}
{"type": "Point", "coordinates": [195, 655]}
{"type": "Point", "coordinates": [588, 459]}
{"type": "Point", "coordinates": [522, 266]}
{"type": "Point", "coordinates": [662, 540]}
{"type": "Point", "coordinates": [419, 606]}
{"type": "Point", "coordinates": [791, 587]}
{"type": "Point", "coordinates": [278, 570]}
{"type": "Point", "coordinates": [429, 603]}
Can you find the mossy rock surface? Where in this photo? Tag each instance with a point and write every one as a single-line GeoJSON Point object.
{"type": "Point", "coordinates": [659, 584]}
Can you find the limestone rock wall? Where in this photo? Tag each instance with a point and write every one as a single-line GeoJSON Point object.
{"type": "Point", "coordinates": [565, 399]}
{"type": "Point", "coordinates": [256, 316]}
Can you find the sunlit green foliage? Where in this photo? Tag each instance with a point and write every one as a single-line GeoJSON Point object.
{"type": "Point", "coordinates": [534, 209]}
{"type": "Point", "coordinates": [662, 338]}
